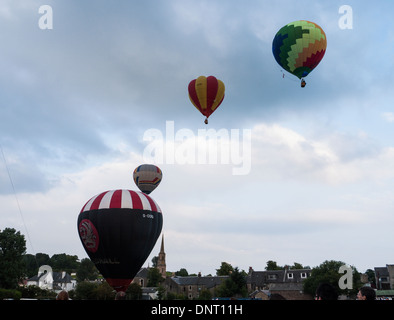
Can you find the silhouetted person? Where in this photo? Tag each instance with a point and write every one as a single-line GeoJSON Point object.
{"type": "Point", "coordinates": [326, 291]}
{"type": "Point", "coordinates": [62, 295]}
{"type": "Point", "coordinates": [120, 295]}
{"type": "Point", "coordinates": [366, 293]}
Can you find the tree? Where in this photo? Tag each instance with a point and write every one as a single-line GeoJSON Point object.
{"type": "Point", "coordinates": [87, 270]}
{"type": "Point", "coordinates": [154, 260]}
{"type": "Point", "coordinates": [86, 290]}
{"type": "Point", "coordinates": [371, 276]}
{"type": "Point", "coordinates": [104, 292]}
{"type": "Point", "coordinates": [297, 265]}
{"type": "Point", "coordinates": [328, 272]}
{"type": "Point", "coordinates": [134, 292]}
{"type": "Point", "coordinates": [31, 265]}
{"type": "Point", "coordinates": [225, 269]}
{"type": "Point", "coordinates": [154, 277]}
{"type": "Point", "coordinates": [160, 292]}
{"type": "Point", "coordinates": [272, 265]}
{"type": "Point", "coordinates": [182, 273]}
{"type": "Point", "coordinates": [205, 294]}
{"type": "Point", "coordinates": [42, 259]}
{"type": "Point", "coordinates": [234, 286]}
{"type": "Point", "coordinates": [12, 265]}
{"type": "Point", "coordinates": [64, 262]}
{"type": "Point", "coordinates": [33, 262]}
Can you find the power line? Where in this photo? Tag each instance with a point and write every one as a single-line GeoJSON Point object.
{"type": "Point", "coordinates": [16, 198]}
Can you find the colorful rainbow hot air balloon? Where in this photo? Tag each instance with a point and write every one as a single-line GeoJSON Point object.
{"type": "Point", "coordinates": [206, 94]}
{"type": "Point", "coordinates": [118, 230]}
{"type": "Point", "coordinates": [299, 46]}
{"type": "Point", "coordinates": [147, 177]}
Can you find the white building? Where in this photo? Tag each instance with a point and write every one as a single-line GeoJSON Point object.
{"type": "Point", "coordinates": [56, 281]}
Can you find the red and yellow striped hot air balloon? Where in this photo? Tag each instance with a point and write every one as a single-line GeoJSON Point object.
{"type": "Point", "coordinates": [206, 94]}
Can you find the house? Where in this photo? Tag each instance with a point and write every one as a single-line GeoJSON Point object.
{"type": "Point", "coordinates": [149, 293]}
{"type": "Point", "coordinates": [260, 295]}
{"type": "Point", "coordinates": [56, 281]}
{"type": "Point", "coordinates": [192, 286]}
{"type": "Point", "coordinates": [289, 290]}
{"type": "Point", "coordinates": [285, 282]}
{"type": "Point", "coordinates": [384, 277]}
{"type": "Point", "coordinates": [261, 279]}
{"type": "Point", "coordinates": [141, 278]}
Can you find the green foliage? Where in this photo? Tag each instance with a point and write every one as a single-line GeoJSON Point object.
{"type": "Point", "coordinates": [87, 270]}
{"type": "Point", "coordinates": [12, 264]}
{"type": "Point", "coordinates": [31, 265]}
{"type": "Point", "coordinates": [225, 269]}
{"type": "Point", "coordinates": [10, 294]}
{"type": "Point", "coordinates": [154, 277]}
{"type": "Point", "coordinates": [371, 276]}
{"type": "Point", "coordinates": [103, 291]}
{"type": "Point", "coordinates": [43, 259]}
{"type": "Point", "coordinates": [34, 292]}
{"type": "Point", "coordinates": [328, 272]}
{"type": "Point", "coordinates": [160, 292]}
{"type": "Point", "coordinates": [234, 286]}
{"type": "Point", "coordinates": [134, 292]}
{"type": "Point", "coordinates": [86, 290]}
{"type": "Point", "coordinates": [154, 260]}
{"type": "Point", "coordinates": [272, 265]}
{"type": "Point", "coordinates": [182, 273]}
{"type": "Point", "coordinates": [64, 262]}
{"type": "Point", "coordinates": [205, 295]}
{"type": "Point", "coordinates": [173, 296]}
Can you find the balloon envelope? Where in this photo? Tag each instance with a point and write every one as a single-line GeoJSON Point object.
{"type": "Point", "coordinates": [118, 230]}
{"type": "Point", "coordinates": [147, 177]}
{"type": "Point", "coordinates": [206, 94]}
{"type": "Point", "coordinates": [299, 47]}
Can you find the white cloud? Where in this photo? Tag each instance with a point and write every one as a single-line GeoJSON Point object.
{"type": "Point", "coordinates": [211, 216]}
{"type": "Point", "coordinates": [333, 159]}
{"type": "Point", "coordinates": [81, 96]}
{"type": "Point", "coordinates": [388, 116]}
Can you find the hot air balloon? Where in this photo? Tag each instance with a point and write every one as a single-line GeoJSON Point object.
{"type": "Point", "coordinates": [147, 177]}
{"type": "Point", "coordinates": [299, 47]}
{"type": "Point", "coordinates": [206, 94]}
{"type": "Point", "coordinates": [118, 230]}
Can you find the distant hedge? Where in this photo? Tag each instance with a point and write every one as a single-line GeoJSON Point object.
{"type": "Point", "coordinates": [10, 294]}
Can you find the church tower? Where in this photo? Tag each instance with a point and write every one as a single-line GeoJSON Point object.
{"type": "Point", "coordinates": [161, 261]}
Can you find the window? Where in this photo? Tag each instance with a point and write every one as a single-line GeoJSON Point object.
{"type": "Point", "coordinates": [290, 275]}
{"type": "Point", "coordinates": [303, 275]}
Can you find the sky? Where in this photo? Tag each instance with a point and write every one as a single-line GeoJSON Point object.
{"type": "Point", "coordinates": [279, 173]}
